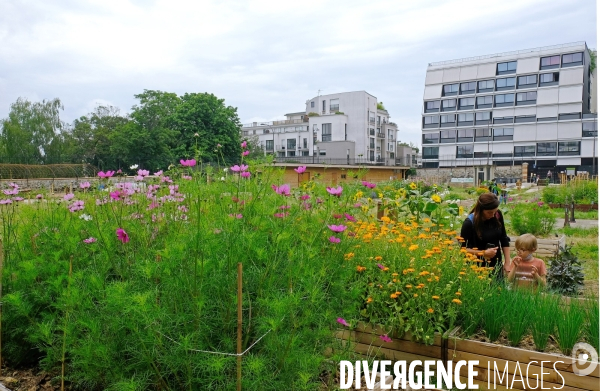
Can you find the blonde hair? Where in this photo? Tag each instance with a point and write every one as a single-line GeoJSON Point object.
{"type": "Point", "coordinates": [526, 242]}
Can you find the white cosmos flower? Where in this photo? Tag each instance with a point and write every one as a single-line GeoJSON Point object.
{"type": "Point", "coordinates": [133, 167]}
{"type": "Point", "coordinates": [85, 217]}
{"type": "Point", "coordinates": [222, 178]}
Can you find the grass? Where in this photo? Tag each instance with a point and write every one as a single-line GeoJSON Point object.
{"type": "Point", "coordinates": [589, 215]}
{"type": "Point", "coordinates": [585, 242]}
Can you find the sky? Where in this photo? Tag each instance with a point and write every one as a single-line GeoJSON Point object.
{"type": "Point", "coordinates": [264, 57]}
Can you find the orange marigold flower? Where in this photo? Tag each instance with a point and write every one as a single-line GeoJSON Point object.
{"type": "Point", "coordinates": [462, 273]}
{"type": "Point", "coordinates": [360, 269]}
{"type": "Point", "coordinates": [424, 273]}
{"type": "Point", "coordinates": [435, 297]}
{"type": "Point", "coordinates": [430, 310]}
{"type": "Point", "coordinates": [456, 301]}
{"type": "Point", "coordinates": [395, 274]}
{"type": "Point", "coordinates": [370, 299]}
{"type": "Point", "coordinates": [398, 293]}
{"type": "Point", "coordinates": [378, 258]}
{"type": "Point", "coordinates": [415, 295]}
{"type": "Point", "coordinates": [458, 293]}
{"type": "Point", "coordinates": [393, 296]}
{"type": "Point", "coordinates": [408, 286]}
{"type": "Point", "coordinates": [413, 247]}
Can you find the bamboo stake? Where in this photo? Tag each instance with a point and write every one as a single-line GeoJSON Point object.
{"type": "Point", "coordinates": [239, 329]}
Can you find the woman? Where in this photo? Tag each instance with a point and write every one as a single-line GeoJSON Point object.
{"type": "Point", "coordinates": [484, 232]}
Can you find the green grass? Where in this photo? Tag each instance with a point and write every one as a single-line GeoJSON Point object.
{"type": "Point", "coordinates": [589, 215]}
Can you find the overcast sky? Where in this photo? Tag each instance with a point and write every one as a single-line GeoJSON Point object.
{"type": "Point", "coordinates": [264, 57]}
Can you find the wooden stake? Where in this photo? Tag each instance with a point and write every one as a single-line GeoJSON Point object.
{"type": "Point", "coordinates": [239, 329]}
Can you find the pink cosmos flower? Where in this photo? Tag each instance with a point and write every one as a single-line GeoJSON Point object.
{"type": "Point", "coordinates": [357, 205]}
{"type": "Point", "coordinates": [319, 200]}
{"type": "Point", "coordinates": [335, 191]}
{"type": "Point", "coordinates": [284, 190]}
{"type": "Point", "coordinates": [540, 203]}
{"type": "Point", "coordinates": [349, 217]}
{"type": "Point", "coordinates": [300, 169]}
{"type": "Point", "coordinates": [281, 215]}
{"type": "Point", "coordinates": [343, 322]}
{"type": "Point", "coordinates": [39, 196]}
{"type": "Point", "coordinates": [186, 177]}
{"type": "Point", "coordinates": [84, 185]}
{"type": "Point", "coordinates": [89, 240]}
{"type": "Point", "coordinates": [333, 239]}
{"type": "Point", "coordinates": [158, 173]}
{"type": "Point", "coordinates": [379, 265]}
{"type": "Point", "coordinates": [138, 178]}
{"type": "Point", "coordinates": [116, 195]}
{"type": "Point", "coordinates": [69, 196]}
{"type": "Point", "coordinates": [240, 168]}
{"type": "Point", "coordinates": [237, 216]}
{"type": "Point", "coordinates": [244, 144]}
{"type": "Point", "coordinates": [122, 235]}
{"type": "Point", "coordinates": [14, 191]}
{"type": "Point", "coordinates": [306, 205]}
{"type": "Point", "coordinates": [143, 173]}
{"type": "Point", "coordinates": [245, 174]}
{"type": "Point", "coordinates": [17, 199]}
{"type": "Point", "coordinates": [106, 174]}
{"type": "Point", "coordinates": [369, 185]}
{"type": "Point", "coordinates": [188, 163]}
{"type": "Point", "coordinates": [284, 207]}
{"type": "Point", "coordinates": [119, 171]}
{"type": "Point", "coordinates": [337, 228]}
{"type": "Point", "coordinates": [5, 202]}
{"type": "Point", "coordinates": [305, 197]}
{"type": "Point", "coordinates": [75, 206]}
{"type": "Point", "coordinates": [246, 153]}
{"type": "Point", "coordinates": [385, 338]}
{"type": "Point", "coordinates": [13, 185]}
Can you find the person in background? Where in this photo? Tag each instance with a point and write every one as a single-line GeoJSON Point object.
{"type": "Point", "coordinates": [503, 193]}
{"type": "Point", "coordinates": [484, 232]}
{"type": "Point", "coordinates": [525, 270]}
{"type": "Point", "coordinates": [549, 175]}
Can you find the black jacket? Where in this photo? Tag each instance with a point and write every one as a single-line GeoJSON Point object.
{"type": "Point", "coordinates": [490, 233]}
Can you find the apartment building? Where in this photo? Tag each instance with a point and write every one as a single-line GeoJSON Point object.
{"type": "Point", "coordinates": [535, 106]}
{"type": "Point", "coordinates": [342, 128]}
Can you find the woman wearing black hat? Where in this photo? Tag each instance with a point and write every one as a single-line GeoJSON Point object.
{"type": "Point", "coordinates": [484, 232]}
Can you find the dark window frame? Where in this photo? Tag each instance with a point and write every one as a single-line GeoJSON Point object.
{"type": "Point", "coordinates": [510, 67]}
{"type": "Point", "coordinates": [464, 151]}
{"type": "Point", "coordinates": [554, 82]}
{"type": "Point", "coordinates": [550, 66]}
{"type": "Point", "coordinates": [484, 105]}
{"type": "Point", "coordinates": [450, 93]}
{"type": "Point", "coordinates": [448, 140]}
{"type": "Point", "coordinates": [434, 109]}
{"type": "Point", "coordinates": [546, 149]}
{"type": "Point", "coordinates": [465, 138]}
{"type": "Point", "coordinates": [426, 138]}
{"type": "Point", "coordinates": [527, 83]}
{"type": "Point", "coordinates": [503, 134]}
{"type": "Point", "coordinates": [571, 63]}
{"type": "Point", "coordinates": [507, 87]}
{"type": "Point", "coordinates": [569, 152]}
{"type": "Point", "coordinates": [527, 100]}
{"type": "Point", "coordinates": [486, 89]}
{"type": "Point", "coordinates": [469, 91]}
{"type": "Point", "coordinates": [484, 137]}
{"type": "Point", "coordinates": [527, 150]}
{"type": "Point", "coordinates": [433, 154]}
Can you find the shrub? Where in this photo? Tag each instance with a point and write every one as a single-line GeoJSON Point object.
{"type": "Point", "coordinates": [584, 192]}
{"type": "Point", "coordinates": [535, 219]}
{"type": "Point", "coordinates": [565, 273]}
{"type": "Point", "coordinates": [551, 195]}
{"type": "Point", "coordinates": [481, 190]}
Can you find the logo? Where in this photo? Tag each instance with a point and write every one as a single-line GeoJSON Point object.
{"type": "Point", "coordinates": [583, 354]}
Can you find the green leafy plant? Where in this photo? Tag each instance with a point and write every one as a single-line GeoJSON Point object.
{"type": "Point", "coordinates": [542, 323]}
{"type": "Point", "coordinates": [592, 308]}
{"type": "Point", "coordinates": [531, 218]}
{"type": "Point", "coordinates": [493, 314]}
{"type": "Point", "coordinates": [516, 321]}
{"type": "Point", "coordinates": [565, 273]}
{"type": "Point", "coordinates": [568, 325]}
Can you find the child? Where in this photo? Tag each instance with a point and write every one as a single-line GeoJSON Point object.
{"type": "Point", "coordinates": [524, 270]}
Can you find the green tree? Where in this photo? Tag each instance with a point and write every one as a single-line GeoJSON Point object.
{"type": "Point", "coordinates": [29, 130]}
{"type": "Point", "coordinates": [214, 123]}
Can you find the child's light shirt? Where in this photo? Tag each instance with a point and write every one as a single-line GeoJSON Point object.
{"type": "Point", "coordinates": [524, 273]}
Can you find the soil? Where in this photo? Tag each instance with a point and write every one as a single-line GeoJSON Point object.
{"type": "Point", "coordinates": [28, 380]}
{"type": "Point", "coordinates": [525, 343]}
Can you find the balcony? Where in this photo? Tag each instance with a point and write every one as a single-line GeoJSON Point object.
{"type": "Point", "coordinates": [337, 161]}
{"type": "Point", "coordinates": [380, 135]}
{"type": "Point", "coordinates": [290, 121]}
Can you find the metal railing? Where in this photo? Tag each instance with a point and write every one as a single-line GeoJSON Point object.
{"type": "Point", "coordinates": [476, 58]}
{"type": "Point", "coordinates": [337, 161]}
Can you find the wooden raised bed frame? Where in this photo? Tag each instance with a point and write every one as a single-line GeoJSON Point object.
{"type": "Point", "coordinates": [366, 342]}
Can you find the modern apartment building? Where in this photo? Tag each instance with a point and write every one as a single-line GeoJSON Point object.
{"type": "Point", "coordinates": [536, 106]}
{"type": "Point", "coordinates": [342, 128]}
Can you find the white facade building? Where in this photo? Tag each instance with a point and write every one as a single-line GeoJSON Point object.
{"type": "Point", "coordinates": [335, 128]}
{"type": "Point", "coordinates": [535, 106]}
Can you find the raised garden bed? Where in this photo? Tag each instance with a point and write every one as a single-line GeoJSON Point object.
{"type": "Point", "coordinates": [366, 342]}
{"type": "Point", "coordinates": [547, 248]}
{"type": "Point", "coordinates": [579, 207]}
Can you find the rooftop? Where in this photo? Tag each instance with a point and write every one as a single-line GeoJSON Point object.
{"type": "Point", "coordinates": [513, 53]}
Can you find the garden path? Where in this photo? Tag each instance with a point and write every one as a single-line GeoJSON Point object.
{"type": "Point", "coordinates": [579, 223]}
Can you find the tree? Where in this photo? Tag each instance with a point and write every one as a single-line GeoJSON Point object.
{"type": "Point", "coordinates": [29, 130]}
{"type": "Point", "coordinates": [213, 122]}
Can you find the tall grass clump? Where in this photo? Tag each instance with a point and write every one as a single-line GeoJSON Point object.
{"type": "Point", "coordinates": [494, 314]}
{"type": "Point", "coordinates": [542, 318]}
{"type": "Point", "coordinates": [569, 324]}
{"type": "Point", "coordinates": [518, 311]}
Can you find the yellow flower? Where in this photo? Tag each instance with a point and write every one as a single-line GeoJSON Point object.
{"type": "Point", "coordinates": [458, 293]}
{"type": "Point", "coordinates": [413, 186]}
{"type": "Point", "coordinates": [370, 299]}
{"type": "Point", "coordinates": [378, 258]}
{"type": "Point", "coordinates": [415, 295]}
{"type": "Point", "coordinates": [348, 256]}
{"type": "Point", "coordinates": [413, 247]}
{"type": "Point", "coordinates": [456, 301]}
{"type": "Point", "coordinates": [393, 296]}
{"type": "Point", "coordinates": [435, 297]}
{"type": "Point", "coordinates": [436, 198]}
{"type": "Point", "coordinates": [360, 269]}
{"type": "Point", "coordinates": [408, 286]}
{"type": "Point", "coordinates": [430, 310]}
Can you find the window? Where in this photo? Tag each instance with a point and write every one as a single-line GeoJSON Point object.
{"type": "Point", "coordinates": [465, 135]}
{"type": "Point", "coordinates": [550, 62]}
{"type": "Point", "coordinates": [334, 105]}
{"type": "Point", "coordinates": [432, 106]}
{"type": "Point", "coordinates": [304, 143]}
{"type": "Point", "coordinates": [450, 89]}
{"type": "Point", "coordinates": [431, 138]}
{"type": "Point", "coordinates": [466, 118]}
{"type": "Point", "coordinates": [372, 131]}
{"type": "Point", "coordinates": [486, 85]}
{"type": "Point", "coordinates": [291, 153]}
{"type": "Point", "coordinates": [483, 135]}
{"type": "Point", "coordinates": [503, 120]}
{"type": "Point", "coordinates": [468, 88]}
{"type": "Point", "coordinates": [466, 103]}
{"type": "Point", "coordinates": [566, 116]}
{"type": "Point", "coordinates": [573, 59]}
{"type": "Point", "coordinates": [569, 148]}
{"type": "Point", "coordinates": [291, 143]}
{"type": "Point", "coordinates": [269, 145]}
{"type": "Point", "coordinates": [548, 79]}
{"type": "Point", "coordinates": [448, 136]}
{"type": "Point", "coordinates": [429, 121]}
{"type": "Point", "coordinates": [464, 151]}
{"type": "Point", "coordinates": [526, 98]}
{"type": "Point", "coordinates": [449, 105]}
{"type": "Point", "coordinates": [372, 143]}
{"type": "Point", "coordinates": [506, 67]}
{"type": "Point", "coordinates": [507, 83]}
{"type": "Point", "coordinates": [431, 152]}
{"type": "Point", "coordinates": [525, 118]}
{"type": "Point", "coordinates": [371, 117]}
{"type": "Point", "coordinates": [326, 133]}
{"type": "Point", "coordinates": [378, 120]}
{"type": "Point", "coordinates": [504, 100]}
{"type": "Point", "coordinates": [482, 154]}
{"type": "Point", "coordinates": [527, 81]}
{"type": "Point", "coordinates": [323, 106]}
{"type": "Point", "coordinates": [447, 119]}
{"type": "Point", "coordinates": [312, 104]}
{"type": "Point", "coordinates": [546, 149]}
{"type": "Point", "coordinates": [483, 117]}
{"type": "Point", "coordinates": [485, 101]}
{"type": "Point", "coordinates": [322, 152]}
{"type": "Point", "coordinates": [590, 129]}
{"type": "Point", "coordinates": [503, 134]}
{"type": "Point", "coordinates": [527, 150]}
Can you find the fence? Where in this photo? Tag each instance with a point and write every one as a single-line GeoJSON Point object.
{"type": "Point", "coordinates": [30, 171]}
{"type": "Point", "coordinates": [336, 161]}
